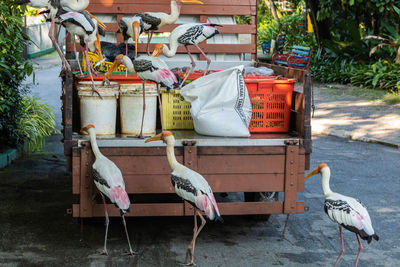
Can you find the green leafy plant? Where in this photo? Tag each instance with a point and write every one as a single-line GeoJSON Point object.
{"type": "Point", "coordinates": [13, 70]}
{"type": "Point", "coordinates": [36, 123]}
{"type": "Point", "coordinates": [383, 75]}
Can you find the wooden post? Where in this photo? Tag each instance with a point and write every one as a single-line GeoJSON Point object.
{"type": "Point", "coordinates": [291, 173]}
{"type": "Point", "coordinates": [86, 206]}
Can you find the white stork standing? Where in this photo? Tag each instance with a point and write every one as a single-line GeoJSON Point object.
{"type": "Point", "coordinates": [192, 187]}
{"type": "Point", "coordinates": [148, 68]}
{"type": "Point", "coordinates": [153, 21]}
{"type": "Point", "coordinates": [190, 34]}
{"type": "Point", "coordinates": [108, 179]}
{"type": "Point", "coordinates": [87, 28]}
{"type": "Point", "coordinates": [56, 8]}
{"type": "Point", "coordinates": [348, 212]}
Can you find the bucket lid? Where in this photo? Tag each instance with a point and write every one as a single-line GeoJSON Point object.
{"type": "Point", "coordinates": [85, 89]}
{"type": "Point", "coordinates": [136, 88]}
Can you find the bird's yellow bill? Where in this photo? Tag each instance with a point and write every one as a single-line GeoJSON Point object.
{"type": "Point", "coordinates": [158, 49]}
{"type": "Point", "coordinates": [154, 138]}
{"type": "Point", "coordinates": [114, 66]}
{"type": "Point", "coordinates": [192, 1]}
{"type": "Point", "coordinates": [311, 173]}
{"type": "Point", "coordinates": [136, 33]}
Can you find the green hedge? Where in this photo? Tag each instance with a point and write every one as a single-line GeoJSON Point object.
{"type": "Point", "coordinates": [13, 70]}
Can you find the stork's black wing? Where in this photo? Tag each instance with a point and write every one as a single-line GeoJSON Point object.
{"type": "Point", "coordinates": [150, 20]}
{"type": "Point", "coordinates": [190, 36]}
{"type": "Point", "coordinates": [142, 65]}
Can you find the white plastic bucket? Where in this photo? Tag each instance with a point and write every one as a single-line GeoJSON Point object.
{"type": "Point", "coordinates": [102, 113]}
{"type": "Point", "coordinates": [131, 107]}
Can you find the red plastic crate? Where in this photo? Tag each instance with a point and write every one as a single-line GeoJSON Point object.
{"type": "Point", "coordinates": [271, 100]}
{"type": "Point", "coordinates": [118, 77]}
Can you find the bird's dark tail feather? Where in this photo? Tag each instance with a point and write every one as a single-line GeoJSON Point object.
{"type": "Point", "coordinates": [372, 236]}
{"type": "Point", "coordinates": [219, 218]}
{"type": "Point", "coordinates": [46, 11]}
{"type": "Point", "coordinates": [213, 24]}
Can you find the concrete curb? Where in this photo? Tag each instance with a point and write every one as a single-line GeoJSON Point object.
{"type": "Point", "coordinates": [353, 136]}
{"type": "Point", "coordinates": [7, 157]}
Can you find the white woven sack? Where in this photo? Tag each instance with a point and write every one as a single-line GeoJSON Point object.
{"type": "Point", "coordinates": [220, 103]}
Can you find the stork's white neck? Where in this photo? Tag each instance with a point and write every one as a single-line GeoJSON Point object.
{"type": "Point", "coordinates": [175, 10]}
{"type": "Point", "coordinates": [128, 64]}
{"type": "Point", "coordinates": [170, 52]}
{"type": "Point", "coordinates": [326, 174]}
{"type": "Point", "coordinates": [93, 142]}
{"type": "Point", "coordinates": [173, 163]}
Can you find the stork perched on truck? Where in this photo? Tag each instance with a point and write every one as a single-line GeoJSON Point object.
{"type": "Point", "coordinates": [192, 187]}
{"type": "Point", "coordinates": [87, 28]}
{"type": "Point", "coordinates": [108, 179]}
{"type": "Point", "coordinates": [189, 34]}
{"type": "Point", "coordinates": [348, 212]}
{"type": "Point", "coordinates": [56, 8]}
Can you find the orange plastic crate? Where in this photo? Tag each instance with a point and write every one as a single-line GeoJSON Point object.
{"type": "Point", "coordinates": [271, 100]}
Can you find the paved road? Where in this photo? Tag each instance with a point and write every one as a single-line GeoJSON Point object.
{"type": "Point", "coordinates": [36, 231]}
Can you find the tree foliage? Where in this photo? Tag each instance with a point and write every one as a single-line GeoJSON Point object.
{"type": "Point", "coordinates": [13, 70]}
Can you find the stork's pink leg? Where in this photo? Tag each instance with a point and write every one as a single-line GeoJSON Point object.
{"type": "Point", "coordinates": [105, 252]}
{"type": "Point", "coordinates": [77, 57]}
{"type": "Point", "coordinates": [90, 72]}
{"type": "Point", "coordinates": [191, 69]}
{"type": "Point", "coordinates": [65, 64]}
{"type": "Point", "coordinates": [131, 252]}
{"type": "Point", "coordinates": [149, 36]}
{"type": "Point", "coordinates": [144, 107]}
{"type": "Point", "coordinates": [341, 242]}
{"type": "Point", "coordinates": [126, 47]}
{"type": "Point", "coordinates": [208, 60]}
{"type": "Point", "coordinates": [190, 249]}
{"type": "Point", "coordinates": [160, 106]}
{"type": "Point", "coordinates": [360, 247]}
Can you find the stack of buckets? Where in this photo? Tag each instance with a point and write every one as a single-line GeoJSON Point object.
{"type": "Point", "coordinates": [102, 112]}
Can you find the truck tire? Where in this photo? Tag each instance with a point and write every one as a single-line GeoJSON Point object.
{"type": "Point", "coordinates": [261, 197]}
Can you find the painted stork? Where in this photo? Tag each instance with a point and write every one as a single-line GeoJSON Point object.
{"type": "Point", "coordinates": [192, 187]}
{"type": "Point", "coordinates": [148, 68]}
{"type": "Point", "coordinates": [348, 212]}
{"type": "Point", "coordinates": [87, 28]}
{"type": "Point", "coordinates": [131, 26]}
{"type": "Point", "coordinates": [190, 34]}
{"type": "Point", "coordinates": [108, 179]}
{"type": "Point", "coordinates": [153, 21]}
{"type": "Point", "coordinates": [56, 8]}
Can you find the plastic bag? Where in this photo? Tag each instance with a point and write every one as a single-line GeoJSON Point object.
{"type": "Point", "coordinates": [220, 103]}
{"type": "Point", "coordinates": [260, 71]}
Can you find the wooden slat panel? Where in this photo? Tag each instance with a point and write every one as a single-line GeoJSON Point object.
{"type": "Point", "coordinates": [144, 184]}
{"type": "Point", "coordinates": [240, 208]}
{"type": "Point", "coordinates": [160, 209]}
{"type": "Point", "coordinates": [86, 184]}
{"type": "Point", "coordinates": [246, 182]}
{"type": "Point", "coordinates": [237, 150]}
{"type": "Point", "coordinates": [240, 164]}
{"type": "Point", "coordinates": [75, 210]}
{"type": "Point", "coordinates": [143, 165]}
{"type": "Point", "coordinates": [207, 48]}
{"type": "Point", "coordinates": [135, 151]}
{"type": "Point", "coordinates": [226, 28]}
{"type": "Point", "coordinates": [186, 10]}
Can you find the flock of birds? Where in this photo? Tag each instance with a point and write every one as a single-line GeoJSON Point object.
{"type": "Point", "coordinates": [191, 186]}
{"type": "Point", "coordinates": [72, 15]}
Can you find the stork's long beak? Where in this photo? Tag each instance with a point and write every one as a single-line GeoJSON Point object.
{"type": "Point", "coordinates": [136, 33]}
{"type": "Point", "coordinates": [115, 65]}
{"type": "Point", "coordinates": [311, 173]}
{"type": "Point", "coordinates": [98, 49]}
{"type": "Point", "coordinates": [157, 50]}
{"type": "Point", "coordinates": [154, 138]}
{"type": "Point", "coordinates": [191, 1]}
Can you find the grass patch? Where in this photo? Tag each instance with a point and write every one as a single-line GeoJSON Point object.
{"type": "Point", "coordinates": [357, 92]}
{"type": "Point", "coordinates": [391, 98]}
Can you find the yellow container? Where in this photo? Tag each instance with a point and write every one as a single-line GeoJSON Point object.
{"type": "Point", "coordinates": [94, 58]}
{"type": "Point", "coordinates": [175, 111]}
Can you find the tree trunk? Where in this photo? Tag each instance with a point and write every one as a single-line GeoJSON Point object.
{"type": "Point", "coordinates": [321, 28]}
{"type": "Point", "coordinates": [271, 5]}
